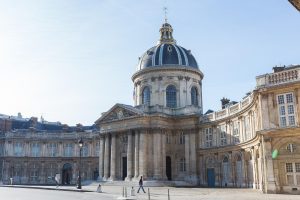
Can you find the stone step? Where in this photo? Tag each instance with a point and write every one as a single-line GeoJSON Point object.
{"type": "Point", "coordinates": [136, 183]}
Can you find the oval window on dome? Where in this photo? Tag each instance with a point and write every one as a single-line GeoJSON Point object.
{"type": "Point", "coordinates": [170, 48]}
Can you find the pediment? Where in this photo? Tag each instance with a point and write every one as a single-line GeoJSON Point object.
{"type": "Point", "coordinates": [119, 112]}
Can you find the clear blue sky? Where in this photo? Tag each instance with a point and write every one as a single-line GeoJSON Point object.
{"type": "Point", "coordinates": [71, 60]}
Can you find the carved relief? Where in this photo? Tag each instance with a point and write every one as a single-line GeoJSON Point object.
{"type": "Point", "coordinates": [118, 114]}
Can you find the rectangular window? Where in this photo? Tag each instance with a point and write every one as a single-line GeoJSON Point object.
{"type": "Point", "coordinates": [97, 151]}
{"type": "Point", "coordinates": [68, 150]}
{"type": "Point", "coordinates": [292, 173]}
{"type": "Point", "coordinates": [52, 149]}
{"type": "Point", "coordinates": [236, 132]}
{"type": "Point", "coordinates": [35, 149]}
{"type": "Point", "coordinates": [18, 149]}
{"type": "Point", "coordinates": [168, 138]}
{"type": "Point", "coordinates": [182, 165]}
{"type": "Point", "coordinates": [85, 150]}
{"type": "Point", "coordinates": [297, 165]}
{"type": "Point", "coordinates": [223, 134]}
{"type": "Point", "coordinates": [289, 98]}
{"type": "Point", "coordinates": [1, 149]}
{"type": "Point", "coordinates": [208, 137]}
{"type": "Point", "coordinates": [286, 110]}
{"type": "Point", "coordinates": [280, 99]}
{"type": "Point", "coordinates": [181, 138]}
{"type": "Point", "coordinates": [289, 167]}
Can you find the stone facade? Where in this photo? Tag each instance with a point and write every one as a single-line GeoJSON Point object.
{"type": "Point", "coordinates": [31, 157]}
{"type": "Point", "coordinates": [166, 138]}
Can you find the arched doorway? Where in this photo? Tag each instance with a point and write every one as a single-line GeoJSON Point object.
{"type": "Point", "coordinates": [210, 171]}
{"type": "Point", "coordinates": [66, 174]}
{"type": "Point", "coordinates": [168, 168]}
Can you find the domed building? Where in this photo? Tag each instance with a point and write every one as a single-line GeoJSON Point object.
{"type": "Point", "coordinates": [138, 141]}
{"type": "Point", "coordinates": [165, 137]}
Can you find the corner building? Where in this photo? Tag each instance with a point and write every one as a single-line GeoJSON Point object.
{"type": "Point", "coordinates": [166, 137]}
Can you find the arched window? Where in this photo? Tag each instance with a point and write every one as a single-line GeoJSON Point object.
{"type": "Point", "coordinates": [171, 96]}
{"type": "Point", "coordinates": [194, 96]}
{"type": "Point", "coordinates": [146, 96]}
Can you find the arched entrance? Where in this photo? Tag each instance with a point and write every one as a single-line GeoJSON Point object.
{"type": "Point", "coordinates": [168, 168]}
{"type": "Point", "coordinates": [66, 174]}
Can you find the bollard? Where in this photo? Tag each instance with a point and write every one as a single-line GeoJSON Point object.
{"type": "Point", "coordinates": [148, 194]}
{"type": "Point", "coordinates": [132, 192]}
{"type": "Point", "coordinates": [125, 191]}
{"type": "Point", "coordinates": [168, 195]}
{"type": "Point", "coordinates": [99, 189]}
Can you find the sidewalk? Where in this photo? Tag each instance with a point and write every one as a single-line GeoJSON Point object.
{"type": "Point", "coordinates": [161, 193]}
{"type": "Point", "coordinates": [52, 187]}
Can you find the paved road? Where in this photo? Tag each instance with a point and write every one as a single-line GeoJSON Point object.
{"type": "Point", "coordinates": [39, 194]}
{"type": "Point", "coordinates": [156, 193]}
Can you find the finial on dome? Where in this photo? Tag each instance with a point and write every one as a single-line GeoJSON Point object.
{"type": "Point", "coordinates": [166, 18]}
{"type": "Point", "coordinates": [166, 31]}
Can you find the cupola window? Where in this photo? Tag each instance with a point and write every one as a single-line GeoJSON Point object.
{"type": "Point", "coordinates": [171, 96]}
{"type": "Point", "coordinates": [194, 96]}
{"type": "Point", "coordinates": [146, 96]}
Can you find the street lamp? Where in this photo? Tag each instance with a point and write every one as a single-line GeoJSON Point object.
{"type": "Point", "coordinates": [80, 143]}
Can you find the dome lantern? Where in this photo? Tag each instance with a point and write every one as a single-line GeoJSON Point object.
{"type": "Point", "coordinates": [166, 34]}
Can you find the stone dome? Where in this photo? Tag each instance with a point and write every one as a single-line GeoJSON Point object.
{"type": "Point", "coordinates": [167, 52]}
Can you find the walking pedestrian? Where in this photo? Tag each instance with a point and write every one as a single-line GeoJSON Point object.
{"type": "Point", "coordinates": [141, 185]}
{"type": "Point", "coordinates": [57, 179]}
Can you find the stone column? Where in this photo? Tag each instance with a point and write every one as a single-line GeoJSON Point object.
{"type": "Point", "coordinates": [43, 174]}
{"type": "Point", "coordinates": [260, 168]}
{"type": "Point", "coordinates": [193, 161]}
{"type": "Point", "coordinates": [230, 170]}
{"type": "Point", "coordinates": [187, 154]}
{"type": "Point", "coordinates": [106, 158]}
{"type": "Point", "coordinates": [143, 154]}
{"type": "Point", "coordinates": [101, 157]}
{"type": "Point", "coordinates": [60, 149]}
{"type": "Point", "coordinates": [157, 156]}
{"type": "Point", "coordinates": [113, 158]}
{"type": "Point", "coordinates": [254, 180]}
{"type": "Point", "coordinates": [129, 157]}
{"type": "Point", "coordinates": [136, 155]}
{"type": "Point", "coordinates": [74, 175]}
{"type": "Point", "coordinates": [163, 153]}
{"type": "Point", "coordinates": [269, 178]}
{"type": "Point", "coordinates": [244, 170]}
{"type": "Point", "coordinates": [202, 170]}
{"type": "Point", "coordinates": [26, 172]}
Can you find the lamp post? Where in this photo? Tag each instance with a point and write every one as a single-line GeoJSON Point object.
{"type": "Point", "coordinates": [80, 143]}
